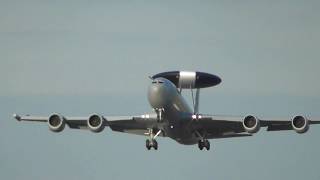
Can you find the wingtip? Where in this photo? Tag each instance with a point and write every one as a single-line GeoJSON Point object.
{"type": "Point", "coordinates": [17, 117]}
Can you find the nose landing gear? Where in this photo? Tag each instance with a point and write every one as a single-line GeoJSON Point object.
{"type": "Point", "coordinates": [151, 142]}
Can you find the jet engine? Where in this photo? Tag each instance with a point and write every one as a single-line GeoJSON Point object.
{"type": "Point", "coordinates": [56, 123]}
{"type": "Point", "coordinates": [96, 123]}
{"type": "Point", "coordinates": [251, 124]}
{"type": "Point", "coordinates": [300, 124]}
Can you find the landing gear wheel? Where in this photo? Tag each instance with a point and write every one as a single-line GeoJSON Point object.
{"type": "Point", "coordinates": [151, 143]}
{"type": "Point", "coordinates": [207, 144]}
{"type": "Point", "coordinates": [148, 145]}
{"type": "Point", "coordinates": [200, 144]}
{"type": "Point", "coordinates": [155, 145]}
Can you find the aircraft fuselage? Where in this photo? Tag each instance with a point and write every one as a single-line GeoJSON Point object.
{"type": "Point", "coordinates": [176, 115]}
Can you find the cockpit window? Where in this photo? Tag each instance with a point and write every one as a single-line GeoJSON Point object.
{"type": "Point", "coordinates": [157, 82]}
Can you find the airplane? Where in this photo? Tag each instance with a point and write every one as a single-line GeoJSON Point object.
{"type": "Point", "coordinates": [172, 117]}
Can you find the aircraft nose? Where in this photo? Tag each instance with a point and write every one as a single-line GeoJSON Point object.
{"type": "Point", "coordinates": [157, 94]}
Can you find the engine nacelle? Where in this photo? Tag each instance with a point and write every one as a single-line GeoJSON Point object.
{"type": "Point", "coordinates": [251, 124]}
{"type": "Point", "coordinates": [300, 124]}
{"type": "Point", "coordinates": [96, 123]}
{"type": "Point", "coordinates": [56, 123]}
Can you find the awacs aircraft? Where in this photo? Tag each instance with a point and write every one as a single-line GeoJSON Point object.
{"type": "Point", "coordinates": [172, 117]}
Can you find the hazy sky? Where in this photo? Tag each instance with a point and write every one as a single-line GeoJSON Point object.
{"type": "Point", "coordinates": [80, 57]}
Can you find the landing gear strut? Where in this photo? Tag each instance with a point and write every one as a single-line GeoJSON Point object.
{"type": "Point", "coordinates": [151, 142]}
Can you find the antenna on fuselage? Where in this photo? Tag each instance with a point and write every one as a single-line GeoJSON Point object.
{"type": "Point", "coordinates": [195, 100]}
{"type": "Point", "coordinates": [196, 106]}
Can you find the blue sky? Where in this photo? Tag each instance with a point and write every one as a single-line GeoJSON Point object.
{"type": "Point", "coordinates": [80, 57]}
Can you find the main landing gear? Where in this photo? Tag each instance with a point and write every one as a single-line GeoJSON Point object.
{"type": "Point", "coordinates": [204, 144]}
{"type": "Point", "coordinates": [151, 142]}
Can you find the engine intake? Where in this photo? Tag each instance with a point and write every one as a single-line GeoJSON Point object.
{"type": "Point", "coordinates": [96, 123]}
{"type": "Point", "coordinates": [300, 124]}
{"type": "Point", "coordinates": [251, 124]}
{"type": "Point", "coordinates": [56, 123]}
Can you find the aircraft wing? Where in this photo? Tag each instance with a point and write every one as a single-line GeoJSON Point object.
{"type": "Point", "coordinates": [282, 124]}
{"type": "Point", "coordinates": [138, 125]}
{"type": "Point", "coordinates": [129, 124]}
{"type": "Point", "coordinates": [219, 126]}
{"type": "Point", "coordinates": [236, 126]}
